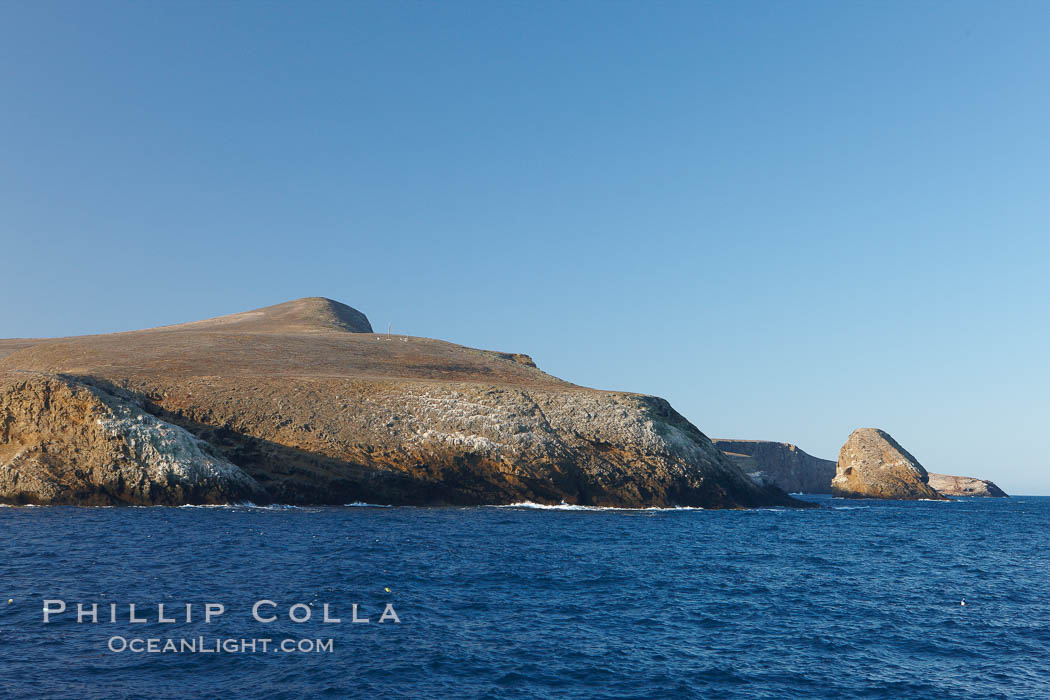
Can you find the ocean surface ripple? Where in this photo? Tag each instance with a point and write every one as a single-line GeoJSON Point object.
{"type": "Point", "coordinates": [856, 599]}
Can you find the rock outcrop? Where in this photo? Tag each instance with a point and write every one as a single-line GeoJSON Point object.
{"type": "Point", "coordinates": [311, 407]}
{"type": "Point", "coordinates": [779, 463]}
{"type": "Point", "coordinates": [64, 442]}
{"type": "Point", "coordinates": [964, 486]}
{"type": "Point", "coordinates": [873, 465]}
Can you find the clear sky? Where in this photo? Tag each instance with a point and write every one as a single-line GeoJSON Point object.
{"type": "Point", "coordinates": [791, 219]}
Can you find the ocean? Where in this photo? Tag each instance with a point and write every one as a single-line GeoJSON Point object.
{"type": "Point", "coordinates": [855, 599]}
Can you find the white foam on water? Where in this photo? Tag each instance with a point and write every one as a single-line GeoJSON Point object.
{"type": "Point", "coordinates": [362, 504]}
{"type": "Point", "coordinates": [242, 505]}
{"type": "Point", "coordinates": [207, 505]}
{"type": "Point", "coordinates": [569, 506]}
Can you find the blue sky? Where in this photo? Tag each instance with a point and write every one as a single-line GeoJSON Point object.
{"type": "Point", "coordinates": [789, 219]}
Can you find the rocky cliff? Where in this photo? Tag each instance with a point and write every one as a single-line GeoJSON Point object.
{"type": "Point", "coordinates": [301, 403]}
{"type": "Point", "coordinates": [873, 465]}
{"type": "Point", "coordinates": [781, 464]}
{"type": "Point", "coordinates": [964, 486]}
{"type": "Point", "coordinates": [64, 442]}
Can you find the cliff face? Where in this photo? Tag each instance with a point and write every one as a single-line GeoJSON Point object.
{"type": "Point", "coordinates": [313, 408]}
{"type": "Point", "coordinates": [964, 486]}
{"type": "Point", "coordinates": [63, 442]}
{"type": "Point", "coordinates": [781, 464]}
{"type": "Point", "coordinates": [873, 465]}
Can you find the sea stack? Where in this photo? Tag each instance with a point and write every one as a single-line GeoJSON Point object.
{"type": "Point", "coordinates": [303, 403]}
{"type": "Point", "coordinates": [874, 465]}
{"type": "Point", "coordinates": [947, 485]}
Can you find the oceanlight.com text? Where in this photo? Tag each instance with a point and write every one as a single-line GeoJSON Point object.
{"type": "Point", "coordinates": [217, 645]}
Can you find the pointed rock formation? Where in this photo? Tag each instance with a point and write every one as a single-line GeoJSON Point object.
{"type": "Point", "coordinates": [873, 465]}
{"type": "Point", "coordinates": [314, 408]}
{"type": "Point", "coordinates": [964, 486]}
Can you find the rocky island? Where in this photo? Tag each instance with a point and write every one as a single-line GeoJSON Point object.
{"type": "Point", "coordinates": [790, 468]}
{"type": "Point", "coordinates": [958, 486]}
{"type": "Point", "coordinates": [302, 403]}
{"type": "Point", "coordinates": [873, 465]}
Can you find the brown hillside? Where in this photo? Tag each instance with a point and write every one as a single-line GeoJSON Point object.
{"type": "Point", "coordinates": [315, 408]}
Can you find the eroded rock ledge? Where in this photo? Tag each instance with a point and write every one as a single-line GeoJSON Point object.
{"type": "Point", "coordinates": [959, 486]}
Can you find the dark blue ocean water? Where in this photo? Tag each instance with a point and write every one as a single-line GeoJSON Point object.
{"type": "Point", "coordinates": [858, 599]}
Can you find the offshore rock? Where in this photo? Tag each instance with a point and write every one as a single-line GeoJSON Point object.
{"type": "Point", "coordinates": [873, 465]}
{"type": "Point", "coordinates": [780, 463]}
{"type": "Point", "coordinates": [312, 407]}
{"type": "Point", "coordinates": [964, 486]}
